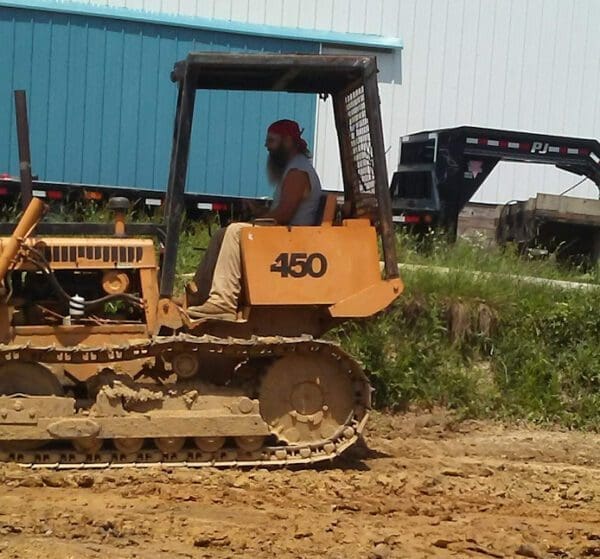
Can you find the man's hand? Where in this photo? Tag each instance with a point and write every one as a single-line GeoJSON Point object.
{"type": "Point", "coordinates": [254, 208]}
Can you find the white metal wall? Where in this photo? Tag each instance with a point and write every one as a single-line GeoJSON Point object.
{"type": "Point", "coordinates": [520, 64]}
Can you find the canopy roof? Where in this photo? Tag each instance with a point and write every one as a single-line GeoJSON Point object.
{"type": "Point", "coordinates": [300, 73]}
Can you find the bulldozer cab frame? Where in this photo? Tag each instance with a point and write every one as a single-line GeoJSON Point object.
{"type": "Point", "coordinates": [351, 81]}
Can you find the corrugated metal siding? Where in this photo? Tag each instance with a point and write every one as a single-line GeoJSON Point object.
{"type": "Point", "coordinates": [530, 65]}
{"type": "Point", "coordinates": [101, 103]}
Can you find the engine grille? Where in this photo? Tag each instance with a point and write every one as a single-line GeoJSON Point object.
{"type": "Point", "coordinates": [101, 254]}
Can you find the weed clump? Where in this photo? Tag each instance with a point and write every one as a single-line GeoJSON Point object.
{"type": "Point", "coordinates": [485, 345]}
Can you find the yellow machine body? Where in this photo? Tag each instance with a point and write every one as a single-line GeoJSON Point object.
{"type": "Point", "coordinates": [317, 266]}
{"type": "Point", "coordinates": [102, 363]}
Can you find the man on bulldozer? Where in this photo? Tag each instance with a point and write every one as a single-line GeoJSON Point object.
{"type": "Point", "coordinates": [145, 385]}
{"type": "Point", "coordinates": [216, 287]}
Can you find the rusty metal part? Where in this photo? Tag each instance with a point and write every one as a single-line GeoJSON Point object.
{"type": "Point", "coordinates": [115, 281]}
{"type": "Point", "coordinates": [136, 256]}
{"type": "Point", "coordinates": [20, 446]}
{"type": "Point", "coordinates": [306, 397]}
{"type": "Point", "coordinates": [249, 443]}
{"type": "Point", "coordinates": [99, 253]}
{"type": "Point", "coordinates": [209, 444]}
{"type": "Point", "coordinates": [119, 205]}
{"type": "Point", "coordinates": [90, 445]}
{"type": "Point", "coordinates": [185, 365]}
{"type": "Point", "coordinates": [131, 445]}
{"type": "Point", "coordinates": [322, 368]}
{"type": "Point", "coordinates": [384, 203]}
{"type": "Point", "coordinates": [10, 248]}
{"type": "Point", "coordinates": [26, 377]}
{"type": "Point", "coordinates": [169, 445]}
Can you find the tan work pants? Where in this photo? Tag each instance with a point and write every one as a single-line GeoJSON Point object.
{"type": "Point", "coordinates": [227, 278]}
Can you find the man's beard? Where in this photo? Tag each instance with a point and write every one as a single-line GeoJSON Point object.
{"type": "Point", "coordinates": [277, 162]}
{"type": "Point", "coordinates": [280, 156]}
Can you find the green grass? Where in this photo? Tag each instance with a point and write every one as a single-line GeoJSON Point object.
{"type": "Point", "coordinates": [478, 254]}
{"type": "Point", "coordinates": [539, 360]}
{"type": "Point", "coordinates": [193, 240]}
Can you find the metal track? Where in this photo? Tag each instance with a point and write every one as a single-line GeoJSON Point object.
{"type": "Point", "coordinates": [255, 347]}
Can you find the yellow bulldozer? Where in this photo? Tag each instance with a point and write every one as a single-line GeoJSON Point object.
{"type": "Point", "coordinates": [101, 365]}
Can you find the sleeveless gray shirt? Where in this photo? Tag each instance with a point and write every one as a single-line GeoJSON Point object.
{"type": "Point", "coordinates": [308, 210]}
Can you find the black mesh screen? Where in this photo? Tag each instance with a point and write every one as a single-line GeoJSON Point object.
{"type": "Point", "coordinates": [362, 175]}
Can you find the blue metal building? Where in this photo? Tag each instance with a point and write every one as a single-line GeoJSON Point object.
{"type": "Point", "coordinates": [101, 103]}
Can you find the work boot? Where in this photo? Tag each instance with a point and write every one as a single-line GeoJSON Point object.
{"type": "Point", "coordinates": [210, 310]}
{"type": "Point", "coordinates": [192, 296]}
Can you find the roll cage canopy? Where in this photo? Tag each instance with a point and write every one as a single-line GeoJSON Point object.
{"type": "Point", "coordinates": [294, 73]}
{"type": "Point", "coordinates": [351, 81]}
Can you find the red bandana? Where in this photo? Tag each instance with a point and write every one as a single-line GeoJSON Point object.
{"type": "Point", "coordinates": [288, 128]}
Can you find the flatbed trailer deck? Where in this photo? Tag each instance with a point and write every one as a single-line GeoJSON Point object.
{"type": "Point", "coordinates": [565, 225]}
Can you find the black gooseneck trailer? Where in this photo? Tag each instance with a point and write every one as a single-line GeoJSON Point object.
{"type": "Point", "coordinates": [440, 170]}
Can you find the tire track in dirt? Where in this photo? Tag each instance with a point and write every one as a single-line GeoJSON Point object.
{"type": "Point", "coordinates": [426, 486]}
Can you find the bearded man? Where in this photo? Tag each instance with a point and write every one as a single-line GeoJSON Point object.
{"type": "Point", "coordinates": [296, 201]}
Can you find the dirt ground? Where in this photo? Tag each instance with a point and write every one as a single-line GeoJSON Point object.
{"type": "Point", "coordinates": [426, 486]}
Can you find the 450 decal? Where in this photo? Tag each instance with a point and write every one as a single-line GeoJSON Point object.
{"type": "Point", "coordinates": [300, 264]}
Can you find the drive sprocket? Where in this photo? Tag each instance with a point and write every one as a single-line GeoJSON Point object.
{"type": "Point", "coordinates": [306, 397]}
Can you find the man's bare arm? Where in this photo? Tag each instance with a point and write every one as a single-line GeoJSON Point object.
{"type": "Point", "coordinates": [294, 189]}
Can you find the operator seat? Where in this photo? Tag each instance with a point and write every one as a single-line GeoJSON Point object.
{"type": "Point", "coordinates": [197, 291]}
{"type": "Point", "coordinates": [327, 209]}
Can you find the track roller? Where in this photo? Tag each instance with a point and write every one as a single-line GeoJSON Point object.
{"type": "Point", "coordinates": [169, 445]}
{"type": "Point", "coordinates": [249, 444]}
{"type": "Point", "coordinates": [129, 446]}
{"type": "Point", "coordinates": [89, 445]}
{"type": "Point", "coordinates": [209, 444]}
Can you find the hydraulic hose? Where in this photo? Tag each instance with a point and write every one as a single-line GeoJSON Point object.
{"type": "Point", "coordinates": [43, 265]}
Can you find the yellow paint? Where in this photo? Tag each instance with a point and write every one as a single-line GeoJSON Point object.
{"type": "Point", "coordinates": [352, 267]}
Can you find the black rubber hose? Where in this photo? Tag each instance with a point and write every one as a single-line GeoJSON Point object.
{"type": "Point", "coordinates": [44, 266]}
{"type": "Point", "coordinates": [115, 296]}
